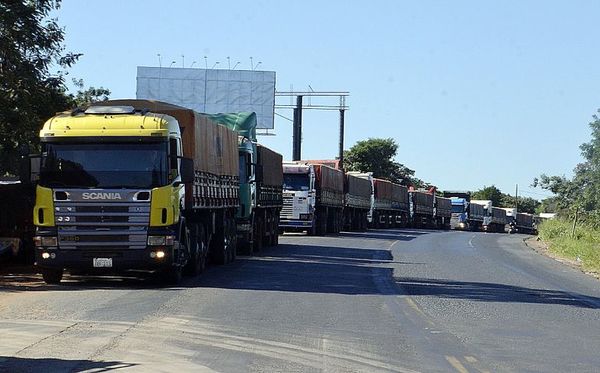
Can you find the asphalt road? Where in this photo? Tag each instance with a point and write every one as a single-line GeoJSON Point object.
{"type": "Point", "coordinates": [389, 301]}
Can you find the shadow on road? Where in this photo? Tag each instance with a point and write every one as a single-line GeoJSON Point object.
{"type": "Point", "coordinates": [309, 269]}
{"type": "Point", "coordinates": [387, 234]}
{"type": "Point", "coordinates": [491, 292]}
{"type": "Point", "coordinates": [287, 267]}
{"type": "Point", "coordinates": [18, 364]}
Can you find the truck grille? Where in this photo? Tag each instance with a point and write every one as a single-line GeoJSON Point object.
{"type": "Point", "coordinates": [288, 207]}
{"type": "Point", "coordinates": [102, 225]}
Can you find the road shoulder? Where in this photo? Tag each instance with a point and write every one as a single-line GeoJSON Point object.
{"type": "Point", "coordinates": [539, 246]}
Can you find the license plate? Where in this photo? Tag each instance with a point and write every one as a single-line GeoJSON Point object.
{"type": "Point", "coordinates": [102, 262]}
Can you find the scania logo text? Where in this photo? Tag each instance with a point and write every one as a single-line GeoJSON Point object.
{"type": "Point", "coordinates": [94, 195]}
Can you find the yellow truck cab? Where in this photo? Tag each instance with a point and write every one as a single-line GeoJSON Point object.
{"type": "Point", "coordinates": [111, 194]}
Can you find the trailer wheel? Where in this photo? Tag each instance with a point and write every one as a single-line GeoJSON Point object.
{"type": "Point", "coordinates": [222, 240]}
{"type": "Point", "coordinates": [233, 240]}
{"type": "Point", "coordinates": [259, 236]}
{"type": "Point", "coordinates": [52, 276]}
{"type": "Point", "coordinates": [276, 231]}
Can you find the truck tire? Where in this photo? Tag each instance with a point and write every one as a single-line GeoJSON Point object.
{"type": "Point", "coordinates": [321, 225]}
{"type": "Point", "coordinates": [52, 276]}
{"type": "Point", "coordinates": [276, 232]}
{"type": "Point", "coordinates": [220, 250]}
{"type": "Point", "coordinates": [197, 262]}
{"type": "Point", "coordinates": [259, 236]}
{"type": "Point", "coordinates": [233, 240]}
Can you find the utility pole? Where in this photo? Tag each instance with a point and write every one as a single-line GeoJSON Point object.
{"type": "Point", "coordinates": [517, 197]}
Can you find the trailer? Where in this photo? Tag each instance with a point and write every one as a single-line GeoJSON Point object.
{"type": "Point", "coordinates": [16, 221]}
{"type": "Point", "coordinates": [382, 204]}
{"type": "Point", "coordinates": [443, 212]}
{"type": "Point", "coordinates": [421, 208]}
{"type": "Point", "coordinates": [357, 202]}
{"type": "Point", "coordinates": [261, 181]}
{"type": "Point", "coordinates": [525, 223]}
{"type": "Point", "coordinates": [400, 206]}
{"type": "Point", "coordinates": [498, 220]}
{"type": "Point", "coordinates": [476, 217]}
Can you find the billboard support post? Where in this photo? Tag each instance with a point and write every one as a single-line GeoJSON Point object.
{"type": "Point", "coordinates": [297, 131]}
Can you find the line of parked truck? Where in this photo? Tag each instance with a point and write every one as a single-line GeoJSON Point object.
{"type": "Point", "coordinates": [481, 215]}
{"type": "Point", "coordinates": [320, 198]}
{"type": "Point", "coordinates": [146, 185]}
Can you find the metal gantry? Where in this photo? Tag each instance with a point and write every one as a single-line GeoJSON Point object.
{"type": "Point", "coordinates": [297, 117]}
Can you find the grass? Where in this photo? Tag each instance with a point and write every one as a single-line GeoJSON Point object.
{"type": "Point", "coordinates": [584, 248]}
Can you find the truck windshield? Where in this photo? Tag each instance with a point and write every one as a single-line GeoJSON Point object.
{"type": "Point", "coordinates": [117, 165]}
{"type": "Point", "coordinates": [458, 208]}
{"type": "Point", "coordinates": [296, 182]}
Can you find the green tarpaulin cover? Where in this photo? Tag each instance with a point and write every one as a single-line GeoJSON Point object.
{"type": "Point", "coordinates": [243, 123]}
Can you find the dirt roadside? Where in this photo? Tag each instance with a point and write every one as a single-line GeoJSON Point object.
{"type": "Point", "coordinates": [535, 243]}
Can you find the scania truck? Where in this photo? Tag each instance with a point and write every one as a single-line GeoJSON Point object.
{"type": "Point", "coordinates": [135, 185]}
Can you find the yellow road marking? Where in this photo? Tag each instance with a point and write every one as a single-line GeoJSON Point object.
{"type": "Point", "coordinates": [470, 359]}
{"type": "Point", "coordinates": [456, 364]}
{"type": "Point", "coordinates": [415, 307]}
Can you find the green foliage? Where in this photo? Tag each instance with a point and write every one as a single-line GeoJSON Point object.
{"type": "Point", "coordinates": [499, 199]}
{"type": "Point", "coordinates": [84, 97]}
{"type": "Point", "coordinates": [550, 204]}
{"type": "Point", "coordinates": [377, 155]}
{"type": "Point", "coordinates": [31, 44]}
{"type": "Point", "coordinates": [582, 248]}
{"type": "Point", "coordinates": [488, 193]}
{"type": "Point", "coordinates": [579, 197]}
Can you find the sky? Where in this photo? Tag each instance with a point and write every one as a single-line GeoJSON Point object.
{"type": "Point", "coordinates": [474, 93]}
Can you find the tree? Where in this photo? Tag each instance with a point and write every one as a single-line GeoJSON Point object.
{"type": "Point", "coordinates": [579, 197]}
{"type": "Point", "coordinates": [499, 199]}
{"type": "Point", "coordinates": [377, 155]}
{"type": "Point", "coordinates": [31, 44]}
{"type": "Point", "coordinates": [84, 97]}
{"type": "Point", "coordinates": [488, 193]}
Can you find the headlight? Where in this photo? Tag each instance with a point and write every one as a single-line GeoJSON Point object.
{"type": "Point", "coordinates": [160, 240]}
{"type": "Point", "coordinates": [45, 241]}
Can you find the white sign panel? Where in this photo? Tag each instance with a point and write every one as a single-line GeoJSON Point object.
{"type": "Point", "coordinates": [211, 91]}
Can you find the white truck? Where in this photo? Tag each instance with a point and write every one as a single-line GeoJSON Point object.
{"type": "Point", "coordinates": [313, 198]}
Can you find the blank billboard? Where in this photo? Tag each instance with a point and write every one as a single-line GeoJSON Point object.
{"type": "Point", "coordinates": [211, 91]}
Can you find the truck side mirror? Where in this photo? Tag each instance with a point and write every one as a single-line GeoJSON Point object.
{"type": "Point", "coordinates": [35, 162]}
{"type": "Point", "coordinates": [29, 168]}
{"type": "Point", "coordinates": [187, 170]}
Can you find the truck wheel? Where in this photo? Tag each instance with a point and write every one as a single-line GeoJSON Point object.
{"type": "Point", "coordinates": [222, 240]}
{"type": "Point", "coordinates": [52, 276]}
{"type": "Point", "coordinates": [232, 240]}
{"type": "Point", "coordinates": [197, 261]}
{"type": "Point", "coordinates": [276, 232]}
{"type": "Point", "coordinates": [259, 236]}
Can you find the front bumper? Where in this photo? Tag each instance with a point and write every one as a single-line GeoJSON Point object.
{"type": "Point", "coordinates": [122, 260]}
{"type": "Point", "coordinates": [295, 224]}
